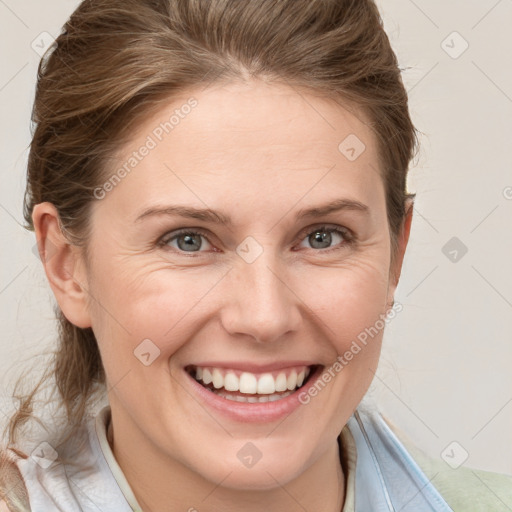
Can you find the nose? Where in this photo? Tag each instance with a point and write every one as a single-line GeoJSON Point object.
{"type": "Point", "coordinates": [260, 303]}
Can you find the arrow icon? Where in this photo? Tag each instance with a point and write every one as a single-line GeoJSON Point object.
{"type": "Point", "coordinates": [351, 147]}
{"type": "Point", "coordinates": [249, 249]}
{"type": "Point", "coordinates": [44, 455]}
{"type": "Point", "coordinates": [454, 455]}
{"type": "Point", "coordinates": [249, 455]}
{"type": "Point", "coordinates": [454, 249]}
{"type": "Point", "coordinates": [42, 42]}
{"type": "Point", "coordinates": [454, 45]}
{"type": "Point", "coordinates": [146, 352]}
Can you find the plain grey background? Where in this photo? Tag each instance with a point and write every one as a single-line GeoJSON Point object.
{"type": "Point", "coordinates": [445, 374]}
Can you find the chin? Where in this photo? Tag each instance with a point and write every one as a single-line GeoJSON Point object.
{"type": "Point", "coordinates": [277, 471]}
{"type": "Point", "coordinates": [262, 479]}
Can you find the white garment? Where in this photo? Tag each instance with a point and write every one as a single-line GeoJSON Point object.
{"type": "Point", "coordinates": [94, 483]}
{"type": "Point", "coordinates": [381, 475]}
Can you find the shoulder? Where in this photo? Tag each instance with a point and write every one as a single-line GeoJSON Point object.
{"type": "Point", "coordinates": [34, 473]}
{"type": "Point", "coordinates": [13, 492]}
{"type": "Point", "coordinates": [60, 465]}
{"type": "Point", "coordinates": [462, 487]}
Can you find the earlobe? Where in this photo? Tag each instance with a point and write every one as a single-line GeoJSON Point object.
{"type": "Point", "coordinates": [63, 265]}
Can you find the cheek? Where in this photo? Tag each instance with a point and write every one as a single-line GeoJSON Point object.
{"type": "Point", "coordinates": [151, 302]}
{"type": "Point", "coordinates": [349, 301]}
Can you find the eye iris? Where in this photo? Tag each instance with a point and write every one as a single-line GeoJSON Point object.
{"type": "Point", "coordinates": [192, 242]}
{"type": "Point", "coordinates": [321, 237]}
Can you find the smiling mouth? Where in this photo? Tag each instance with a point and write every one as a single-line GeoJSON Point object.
{"type": "Point", "coordinates": [242, 386]}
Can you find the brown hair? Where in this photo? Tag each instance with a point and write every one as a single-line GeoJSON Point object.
{"type": "Point", "coordinates": [116, 61]}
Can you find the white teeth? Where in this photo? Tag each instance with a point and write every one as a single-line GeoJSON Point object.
{"type": "Point", "coordinates": [218, 380]}
{"type": "Point", "coordinates": [250, 384]}
{"type": "Point", "coordinates": [231, 382]}
{"type": "Point", "coordinates": [207, 376]}
{"type": "Point", "coordinates": [292, 380]}
{"type": "Point", "coordinates": [266, 384]}
{"type": "Point", "coordinates": [281, 382]}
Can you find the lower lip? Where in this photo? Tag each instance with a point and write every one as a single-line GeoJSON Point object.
{"type": "Point", "coordinates": [246, 412]}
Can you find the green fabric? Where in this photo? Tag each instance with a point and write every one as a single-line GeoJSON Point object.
{"type": "Point", "coordinates": [464, 489]}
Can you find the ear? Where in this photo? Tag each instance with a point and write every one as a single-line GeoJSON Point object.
{"type": "Point", "coordinates": [63, 265]}
{"type": "Point", "coordinates": [403, 239]}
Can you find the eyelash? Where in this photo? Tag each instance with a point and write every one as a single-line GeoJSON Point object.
{"type": "Point", "coordinates": [348, 236]}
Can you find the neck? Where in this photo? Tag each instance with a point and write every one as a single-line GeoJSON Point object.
{"type": "Point", "coordinates": [320, 488]}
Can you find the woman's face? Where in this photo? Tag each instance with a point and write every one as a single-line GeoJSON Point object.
{"type": "Point", "coordinates": [263, 279]}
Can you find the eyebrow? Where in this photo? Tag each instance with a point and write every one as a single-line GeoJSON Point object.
{"type": "Point", "coordinates": [217, 217]}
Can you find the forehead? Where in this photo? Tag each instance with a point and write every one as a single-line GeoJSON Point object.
{"type": "Point", "coordinates": [261, 143]}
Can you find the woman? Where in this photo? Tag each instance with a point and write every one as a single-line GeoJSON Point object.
{"type": "Point", "coordinates": [218, 190]}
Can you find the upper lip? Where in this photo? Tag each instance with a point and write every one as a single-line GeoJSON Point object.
{"type": "Point", "coordinates": [250, 366]}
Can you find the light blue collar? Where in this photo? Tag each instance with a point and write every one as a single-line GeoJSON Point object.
{"type": "Point", "coordinates": [387, 477]}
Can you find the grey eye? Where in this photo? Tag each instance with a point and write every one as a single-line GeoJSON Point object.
{"type": "Point", "coordinates": [320, 239]}
{"type": "Point", "coordinates": [189, 242]}
{"type": "Point", "coordinates": [326, 238]}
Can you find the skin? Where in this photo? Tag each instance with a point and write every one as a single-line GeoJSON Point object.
{"type": "Point", "coordinates": [259, 153]}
